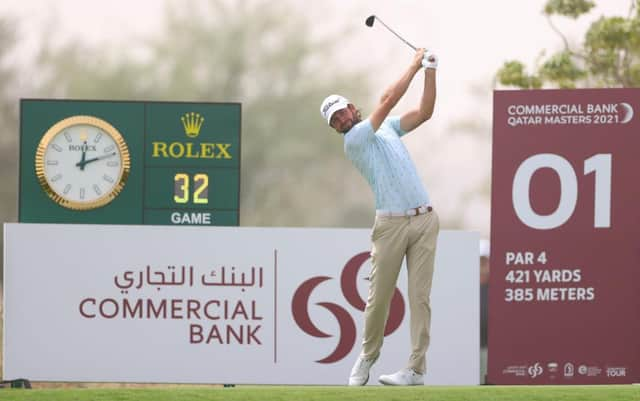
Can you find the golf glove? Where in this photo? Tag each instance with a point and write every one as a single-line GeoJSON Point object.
{"type": "Point", "coordinates": [430, 60]}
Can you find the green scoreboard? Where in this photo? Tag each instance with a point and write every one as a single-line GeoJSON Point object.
{"type": "Point", "coordinates": [121, 162]}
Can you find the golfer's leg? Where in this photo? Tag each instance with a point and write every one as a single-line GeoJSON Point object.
{"type": "Point", "coordinates": [386, 258]}
{"type": "Point", "coordinates": [420, 260]}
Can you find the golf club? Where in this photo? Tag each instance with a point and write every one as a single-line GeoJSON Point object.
{"type": "Point", "coordinates": [370, 20]}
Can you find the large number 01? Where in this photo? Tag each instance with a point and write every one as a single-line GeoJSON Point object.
{"type": "Point", "coordinates": [599, 164]}
{"type": "Point", "coordinates": [181, 191]}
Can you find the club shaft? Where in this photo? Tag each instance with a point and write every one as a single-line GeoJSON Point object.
{"type": "Point", "coordinates": [394, 32]}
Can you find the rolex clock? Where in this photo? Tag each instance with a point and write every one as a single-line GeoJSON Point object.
{"type": "Point", "coordinates": [180, 164]}
{"type": "Point", "coordinates": [82, 162]}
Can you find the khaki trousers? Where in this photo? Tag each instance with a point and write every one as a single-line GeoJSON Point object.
{"type": "Point", "coordinates": [394, 238]}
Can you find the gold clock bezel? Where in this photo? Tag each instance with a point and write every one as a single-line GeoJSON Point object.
{"type": "Point", "coordinates": [110, 130]}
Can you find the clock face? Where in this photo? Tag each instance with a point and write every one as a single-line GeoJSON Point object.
{"type": "Point", "coordinates": [82, 162]}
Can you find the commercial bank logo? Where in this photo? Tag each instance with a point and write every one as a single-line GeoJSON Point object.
{"type": "Point", "coordinates": [535, 370]}
{"type": "Point", "coordinates": [348, 285]}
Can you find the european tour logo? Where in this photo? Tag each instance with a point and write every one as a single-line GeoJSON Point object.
{"type": "Point", "coordinates": [348, 285]}
{"type": "Point", "coordinates": [192, 123]}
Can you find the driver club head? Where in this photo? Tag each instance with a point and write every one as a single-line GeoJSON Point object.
{"type": "Point", "coordinates": [369, 21]}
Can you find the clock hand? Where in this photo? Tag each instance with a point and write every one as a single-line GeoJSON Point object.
{"type": "Point", "coordinates": [81, 163]}
{"type": "Point", "coordinates": [98, 158]}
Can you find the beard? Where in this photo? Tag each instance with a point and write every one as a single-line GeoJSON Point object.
{"type": "Point", "coordinates": [355, 119]}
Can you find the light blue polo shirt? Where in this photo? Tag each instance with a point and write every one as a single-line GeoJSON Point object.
{"type": "Point", "coordinates": [384, 161]}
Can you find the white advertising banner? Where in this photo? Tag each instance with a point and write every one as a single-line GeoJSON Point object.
{"type": "Point", "coordinates": [219, 305]}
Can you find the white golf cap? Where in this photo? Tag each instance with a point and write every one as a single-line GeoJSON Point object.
{"type": "Point", "coordinates": [332, 104]}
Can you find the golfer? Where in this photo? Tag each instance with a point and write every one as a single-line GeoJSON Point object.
{"type": "Point", "coordinates": [405, 224]}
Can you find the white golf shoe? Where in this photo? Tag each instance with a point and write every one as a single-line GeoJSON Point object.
{"type": "Point", "coordinates": [360, 371]}
{"type": "Point", "coordinates": [404, 377]}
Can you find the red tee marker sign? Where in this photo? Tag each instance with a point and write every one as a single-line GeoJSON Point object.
{"type": "Point", "coordinates": [564, 301]}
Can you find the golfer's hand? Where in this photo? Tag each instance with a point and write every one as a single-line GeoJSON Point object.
{"type": "Point", "coordinates": [417, 59]}
{"type": "Point", "coordinates": [430, 60]}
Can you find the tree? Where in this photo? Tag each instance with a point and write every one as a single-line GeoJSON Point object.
{"type": "Point", "coordinates": [8, 126]}
{"type": "Point", "coordinates": [261, 54]}
{"type": "Point", "coordinates": [609, 55]}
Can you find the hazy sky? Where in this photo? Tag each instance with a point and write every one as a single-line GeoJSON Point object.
{"type": "Point", "coordinates": [472, 39]}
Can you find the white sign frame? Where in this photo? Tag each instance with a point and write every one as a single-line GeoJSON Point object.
{"type": "Point", "coordinates": [53, 271]}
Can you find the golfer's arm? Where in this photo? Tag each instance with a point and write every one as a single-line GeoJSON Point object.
{"type": "Point", "coordinates": [391, 96]}
{"type": "Point", "coordinates": [412, 119]}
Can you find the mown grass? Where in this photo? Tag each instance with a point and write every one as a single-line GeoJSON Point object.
{"type": "Point", "coordinates": [330, 393]}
